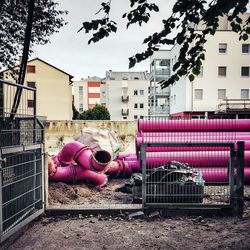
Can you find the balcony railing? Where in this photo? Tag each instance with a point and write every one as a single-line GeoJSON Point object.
{"type": "Point", "coordinates": [165, 72]}
{"type": "Point", "coordinates": [125, 98]}
{"type": "Point", "coordinates": [234, 105]}
{"type": "Point", "coordinates": [162, 109]}
{"type": "Point", "coordinates": [125, 111]}
{"type": "Point", "coordinates": [159, 92]}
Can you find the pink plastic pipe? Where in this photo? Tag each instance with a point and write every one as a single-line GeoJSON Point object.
{"type": "Point", "coordinates": [84, 156]}
{"type": "Point", "coordinates": [72, 173]}
{"type": "Point", "coordinates": [119, 169]}
{"type": "Point", "coordinates": [194, 125]}
{"type": "Point", "coordinates": [139, 141]}
{"type": "Point", "coordinates": [211, 174]}
{"type": "Point", "coordinates": [225, 135]}
{"type": "Point", "coordinates": [194, 158]}
{"type": "Point", "coordinates": [175, 149]}
{"type": "Point", "coordinates": [221, 174]}
{"type": "Point", "coordinates": [122, 155]}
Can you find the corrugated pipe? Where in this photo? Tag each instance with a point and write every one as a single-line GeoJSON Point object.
{"type": "Point", "coordinates": [194, 125]}
{"type": "Point", "coordinates": [73, 173]}
{"type": "Point", "coordinates": [84, 156]}
{"type": "Point", "coordinates": [119, 169]}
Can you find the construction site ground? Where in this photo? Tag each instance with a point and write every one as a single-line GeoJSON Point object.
{"type": "Point", "coordinates": [125, 231]}
{"type": "Point", "coordinates": [120, 232]}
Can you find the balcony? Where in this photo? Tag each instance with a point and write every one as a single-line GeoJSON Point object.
{"type": "Point", "coordinates": [160, 74]}
{"type": "Point", "coordinates": [125, 111]}
{"type": "Point", "coordinates": [160, 110]}
{"type": "Point", "coordinates": [234, 105]}
{"type": "Point", "coordinates": [159, 92]}
{"type": "Point", "coordinates": [125, 98]}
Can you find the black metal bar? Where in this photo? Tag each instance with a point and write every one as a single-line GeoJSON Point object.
{"type": "Point", "coordinates": [34, 121]}
{"type": "Point", "coordinates": [143, 164]}
{"type": "Point", "coordinates": [17, 85]}
{"type": "Point", "coordinates": [240, 178]}
{"type": "Point", "coordinates": [24, 59]}
{"type": "Point", "coordinates": [174, 144]}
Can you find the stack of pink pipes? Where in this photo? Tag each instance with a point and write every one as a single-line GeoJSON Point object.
{"type": "Point", "coordinates": [78, 162]}
{"type": "Point", "coordinates": [211, 160]}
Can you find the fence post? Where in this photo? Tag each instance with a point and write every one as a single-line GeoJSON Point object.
{"type": "Point", "coordinates": [1, 196]}
{"type": "Point", "coordinates": [240, 178]}
{"type": "Point", "coordinates": [143, 165]}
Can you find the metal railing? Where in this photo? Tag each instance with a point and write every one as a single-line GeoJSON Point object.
{"type": "Point", "coordinates": [189, 186]}
{"type": "Point", "coordinates": [21, 159]}
{"type": "Point", "coordinates": [234, 105]}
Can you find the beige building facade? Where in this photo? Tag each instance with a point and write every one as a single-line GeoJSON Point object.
{"type": "Point", "coordinates": [53, 90]}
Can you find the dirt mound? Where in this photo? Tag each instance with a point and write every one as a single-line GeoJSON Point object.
{"type": "Point", "coordinates": [77, 194]}
{"type": "Point", "coordinates": [63, 193]}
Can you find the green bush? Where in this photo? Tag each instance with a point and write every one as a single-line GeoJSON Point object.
{"type": "Point", "coordinates": [99, 112]}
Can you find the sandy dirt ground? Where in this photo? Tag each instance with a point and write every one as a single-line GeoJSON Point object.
{"type": "Point", "coordinates": [98, 232]}
{"type": "Point", "coordinates": [124, 231]}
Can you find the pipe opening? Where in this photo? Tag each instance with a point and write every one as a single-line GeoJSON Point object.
{"type": "Point", "coordinates": [102, 157]}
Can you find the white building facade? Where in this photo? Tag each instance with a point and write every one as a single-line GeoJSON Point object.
{"type": "Point", "coordinates": [224, 83]}
{"type": "Point", "coordinates": [87, 93]}
{"type": "Point", "coordinates": [125, 94]}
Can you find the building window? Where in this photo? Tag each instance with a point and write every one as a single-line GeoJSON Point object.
{"type": "Point", "coordinates": [141, 116]}
{"type": "Point", "coordinates": [31, 84]}
{"type": "Point", "coordinates": [198, 94]}
{"type": "Point", "coordinates": [80, 107]}
{"type": "Point", "coordinates": [221, 94]}
{"type": "Point", "coordinates": [244, 93]}
{"type": "Point", "coordinates": [135, 105]}
{"type": "Point", "coordinates": [31, 103]}
{"type": "Point", "coordinates": [31, 69]}
{"type": "Point", "coordinates": [136, 78]}
{"type": "Point", "coordinates": [80, 90]}
{"type": "Point", "coordinates": [222, 71]}
{"type": "Point", "coordinates": [245, 48]}
{"type": "Point", "coordinates": [141, 105]}
{"type": "Point", "coordinates": [141, 91]}
{"type": "Point", "coordinates": [135, 92]}
{"type": "Point", "coordinates": [245, 71]}
{"type": "Point", "coordinates": [135, 117]}
{"type": "Point", "coordinates": [222, 48]}
{"type": "Point", "coordinates": [124, 117]}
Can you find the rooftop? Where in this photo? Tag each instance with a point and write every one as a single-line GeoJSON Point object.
{"type": "Point", "coordinates": [127, 75]}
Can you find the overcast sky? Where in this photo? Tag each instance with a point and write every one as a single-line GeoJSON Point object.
{"type": "Point", "coordinates": [70, 51]}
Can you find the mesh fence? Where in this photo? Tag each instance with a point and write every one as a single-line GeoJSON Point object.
{"type": "Point", "coordinates": [18, 126]}
{"type": "Point", "coordinates": [21, 186]}
{"type": "Point", "coordinates": [190, 161]}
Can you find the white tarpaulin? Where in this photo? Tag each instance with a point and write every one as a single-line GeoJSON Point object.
{"type": "Point", "coordinates": [98, 139]}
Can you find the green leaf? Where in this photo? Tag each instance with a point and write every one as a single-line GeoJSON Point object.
{"type": "Point", "coordinates": [113, 28]}
{"type": "Point", "coordinates": [191, 77]}
{"type": "Point", "coordinates": [245, 37]}
{"type": "Point", "coordinates": [132, 62]}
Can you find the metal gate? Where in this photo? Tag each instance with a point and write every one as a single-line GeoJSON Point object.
{"type": "Point", "coordinates": [21, 159]}
{"type": "Point", "coordinates": [187, 186]}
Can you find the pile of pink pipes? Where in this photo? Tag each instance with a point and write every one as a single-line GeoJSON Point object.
{"type": "Point", "coordinates": [77, 162]}
{"type": "Point", "coordinates": [211, 161]}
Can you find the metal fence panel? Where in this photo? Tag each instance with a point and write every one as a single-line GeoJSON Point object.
{"type": "Point", "coordinates": [21, 160]}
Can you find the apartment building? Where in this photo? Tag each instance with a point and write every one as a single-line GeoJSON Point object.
{"type": "Point", "coordinates": [222, 88]}
{"type": "Point", "coordinates": [53, 89]}
{"type": "Point", "coordinates": [125, 94]}
{"type": "Point", "coordinates": [160, 69]}
{"type": "Point", "coordinates": [87, 93]}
